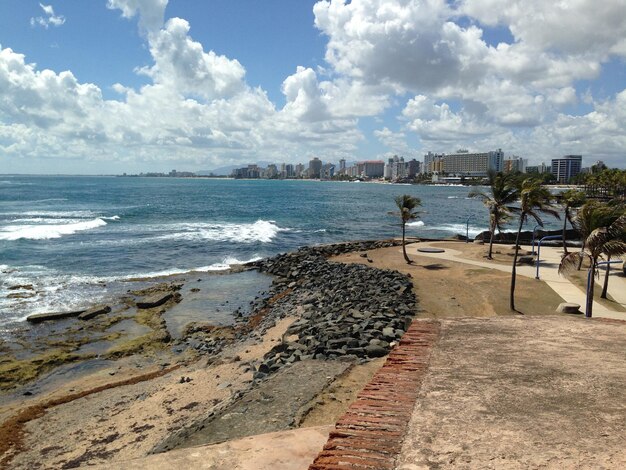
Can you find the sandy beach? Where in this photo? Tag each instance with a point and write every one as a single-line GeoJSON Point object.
{"type": "Point", "coordinates": [144, 403]}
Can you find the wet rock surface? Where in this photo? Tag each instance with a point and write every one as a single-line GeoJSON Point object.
{"type": "Point", "coordinates": [276, 404]}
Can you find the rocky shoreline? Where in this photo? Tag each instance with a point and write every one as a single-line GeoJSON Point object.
{"type": "Point", "coordinates": [331, 317]}
{"type": "Point", "coordinates": [345, 311]}
{"type": "Point", "coordinates": [344, 314]}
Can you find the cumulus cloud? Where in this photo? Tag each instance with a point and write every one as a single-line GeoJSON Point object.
{"type": "Point", "coordinates": [440, 124]}
{"type": "Point", "coordinates": [48, 114]}
{"type": "Point", "coordinates": [50, 19]}
{"type": "Point", "coordinates": [429, 58]}
{"type": "Point", "coordinates": [151, 12]}
{"type": "Point", "coordinates": [395, 141]}
{"type": "Point", "coordinates": [581, 27]}
{"type": "Point", "coordinates": [181, 63]}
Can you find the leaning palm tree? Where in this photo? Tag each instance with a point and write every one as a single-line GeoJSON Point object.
{"type": "Point", "coordinates": [406, 206]}
{"type": "Point", "coordinates": [570, 199]}
{"type": "Point", "coordinates": [606, 228]}
{"type": "Point", "coordinates": [498, 199]}
{"type": "Point", "coordinates": [534, 199]}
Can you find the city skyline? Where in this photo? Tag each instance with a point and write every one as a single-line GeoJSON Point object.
{"type": "Point", "coordinates": [150, 85]}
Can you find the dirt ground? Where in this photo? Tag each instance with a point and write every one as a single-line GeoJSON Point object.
{"type": "Point", "coordinates": [446, 289]}
{"type": "Point", "coordinates": [522, 392]}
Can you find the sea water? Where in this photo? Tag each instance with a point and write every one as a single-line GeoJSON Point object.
{"type": "Point", "coordinates": [77, 239]}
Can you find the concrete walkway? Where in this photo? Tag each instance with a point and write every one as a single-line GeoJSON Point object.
{"type": "Point", "coordinates": [548, 272]}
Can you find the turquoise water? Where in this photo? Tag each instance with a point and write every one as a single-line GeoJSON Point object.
{"type": "Point", "coordinates": [74, 238]}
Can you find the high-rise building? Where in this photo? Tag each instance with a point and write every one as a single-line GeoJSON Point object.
{"type": "Point", "coordinates": [299, 170]}
{"type": "Point", "coordinates": [514, 164]}
{"type": "Point", "coordinates": [370, 168]}
{"type": "Point", "coordinates": [566, 167]}
{"type": "Point", "coordinates": [327, 172]}
{"type": "Point", "coordinates": [473, 164]}
{"type": "Point", "coordinates": [315, 168]}
{"type": "Point", "coordinates": [342, 166]}
{"type": "Point", "coordinates": [432, 163]}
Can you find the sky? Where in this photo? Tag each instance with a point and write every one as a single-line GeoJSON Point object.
{"type": "Point", "coordinates": [112, 86]}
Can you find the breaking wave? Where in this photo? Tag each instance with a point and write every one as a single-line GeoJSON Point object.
{"type": "Point", "coordinates": [47, 231]}
{"type": "Point", "coordinates": [263, 231]}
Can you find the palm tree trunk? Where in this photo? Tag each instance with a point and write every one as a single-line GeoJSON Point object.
{"type": "Point", "coordinates": [513, 272]}
{"type": "Point", "coordinates": [580, 261]}
{"type": "Point", "coordinates": [606, 278]}
{"type": "Point", "coordinates": [492, 232]}
{"type": "Point", "coordinates": [406, 258]}
{"type": "Point", "coordinates": [592, 282]}
{"type": "Point", "coordinates": [565, 230]}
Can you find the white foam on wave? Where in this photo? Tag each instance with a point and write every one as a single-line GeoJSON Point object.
{"type": "Point", "coordinates": [417, 223]}
{"type": "Point", "coordinates": [226, 263]}
{"type": "Point", "coordinates": [56, 214]}
{"type": "Point", "coordinates": [263, 231]}
{"type": "Point", "coordinates": [455, 228]}
{"type": "Point", "coordinates": [113, 217]}
{"type": "Point", "coordinates": [47, 231]}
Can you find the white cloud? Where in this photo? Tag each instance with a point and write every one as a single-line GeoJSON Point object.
{"type": "Point", "coordinates": [577, 27]}
{"type": "Point", "coordinates": [395, 141]}
{"type": "Point", "coordinates": [182, 64]}
{"type": "Point", "coordinates": [45, 114]}
{"type": "Point", "coordinates": [429, 57]}
{"type": "Point", "coordinates": [50, 19]}
{"type": "Point", "coordinates": [439, 124]}
{"type": "Point", "coordinates": [151, 12]}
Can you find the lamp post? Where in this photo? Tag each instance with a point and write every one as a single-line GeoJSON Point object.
{"type": "Point", "coordinates": [551, 237]}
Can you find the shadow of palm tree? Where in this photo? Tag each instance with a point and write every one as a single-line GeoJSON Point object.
{"type": "Point", "coordinates": [435, 267]}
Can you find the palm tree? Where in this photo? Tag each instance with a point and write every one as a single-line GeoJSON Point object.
{"type": "Point", "coordinates": [534, 199]}
{"type": "Point", "coordinates": [406, 205]}
{"type": "Point", "coordinates": [570, 199]}
{"type": "Point", "coordinates": [502, 192]}
{"type": "Point", "coordinates": [605, 227]}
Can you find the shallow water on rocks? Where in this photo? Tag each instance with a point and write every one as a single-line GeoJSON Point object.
{"type": "Point", "coordinates": [214, 299]}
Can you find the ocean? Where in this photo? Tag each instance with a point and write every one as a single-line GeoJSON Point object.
{"type": "Point", "coordinates": [76, 240]}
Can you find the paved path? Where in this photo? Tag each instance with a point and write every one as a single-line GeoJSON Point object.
{"type": "Point", "coordinates": [548, 272]}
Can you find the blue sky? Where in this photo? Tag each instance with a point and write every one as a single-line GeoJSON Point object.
{"type": "Point", "coordinates": [107, 86]}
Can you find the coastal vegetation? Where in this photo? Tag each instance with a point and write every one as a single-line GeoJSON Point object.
{"type": "Point", "coordinates": [498, 199]}
{"type": "Point", "coordinates": [570, 199]}
{"type": "Point", "coordinates": [603, 183]}
{"type": "Point", "coordinates": [407, 206]}
{"type": "Point", "coordinates": [534, 200]}
{"type": "Point", "coordinates": [603, 227]}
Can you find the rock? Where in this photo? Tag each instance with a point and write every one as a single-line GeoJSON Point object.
{"type": "Point", "coordinates": [21, 295]}
{"type": "Point", "coordinates": [154, 300]}
{"type": "Point", "coordinates": [567, 307]}
{"type": "Point", "coordinates": [389, 332]}
{"type": "Point", "coordinates": [375, 351]}
{"type": "Point", "coordinates": [39, 317]}
{"type": "Point", "coordinates": [94, 311]}
{"type": "Point", "coordinates": [22, 287]}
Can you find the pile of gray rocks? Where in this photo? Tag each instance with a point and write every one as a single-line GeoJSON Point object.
{"type": "Point", "coordinates": [344, 311]}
